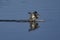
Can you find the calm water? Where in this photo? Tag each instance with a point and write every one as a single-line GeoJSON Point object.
{"type": "Point", "coordinates": [18, 9]}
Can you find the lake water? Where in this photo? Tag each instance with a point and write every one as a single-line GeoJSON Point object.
{"type": "Point", "coordinates": [18, 9]}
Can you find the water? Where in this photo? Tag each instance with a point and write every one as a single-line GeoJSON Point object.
{"type": "Point", "coordinates": [18, 9]}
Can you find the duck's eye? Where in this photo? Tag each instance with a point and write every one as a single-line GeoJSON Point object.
{"type": "Point", "coordinates": [35, 12]}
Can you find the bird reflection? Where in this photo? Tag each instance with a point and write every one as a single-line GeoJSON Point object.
{"type": "Point", "coordinates": [33, 26]}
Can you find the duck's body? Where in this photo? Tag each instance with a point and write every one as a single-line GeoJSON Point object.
{"type": "Point", "coordinates": [32, 20]}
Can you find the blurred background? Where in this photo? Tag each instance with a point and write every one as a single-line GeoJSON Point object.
{"type": "Point", "coordinates": [49, 11]}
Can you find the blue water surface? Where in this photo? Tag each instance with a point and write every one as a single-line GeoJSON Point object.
{"type": "Point", "coordinates": [49, 11]}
